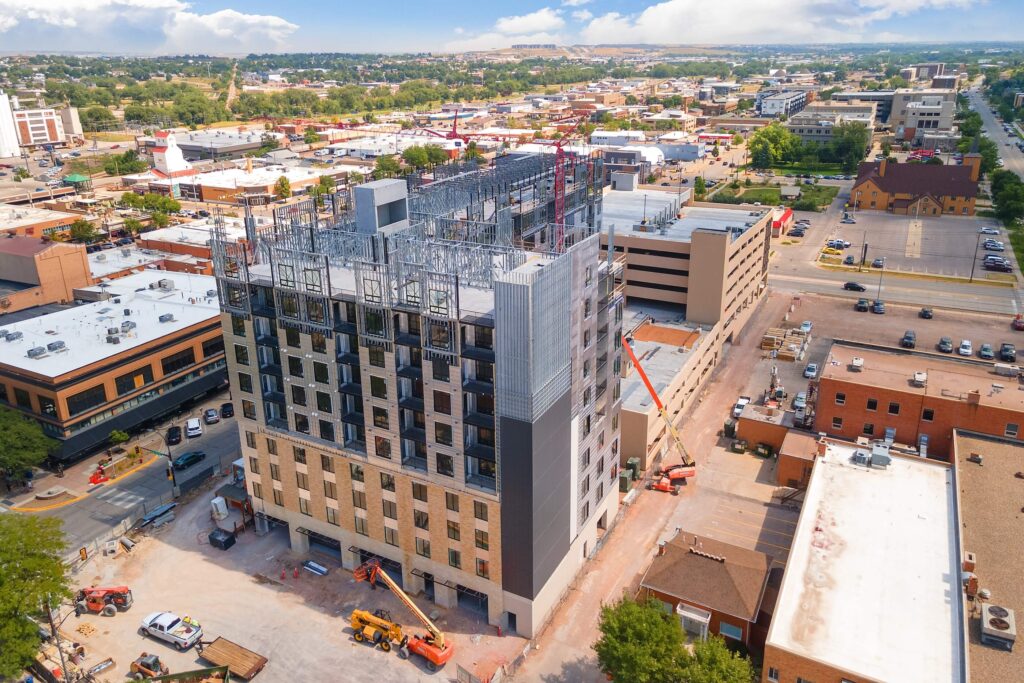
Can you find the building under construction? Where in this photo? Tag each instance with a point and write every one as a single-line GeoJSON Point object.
{"type": "Point", "coordinates": [431, 380]}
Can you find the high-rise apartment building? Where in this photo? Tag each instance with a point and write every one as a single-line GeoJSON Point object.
{"type": "Point", "coordinates": [427, 382]}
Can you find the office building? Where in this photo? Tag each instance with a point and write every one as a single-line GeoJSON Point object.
{"type": "Point", "coordinates": [871, 590]}
{"type": "Point", "coordinates": [153, 342]}
{"type": "Point", "coordinates": [37, 271]}
{"type": "Point", "coordinates": [32, 221]}
{"type": "Point", "coordinates": [916, 113]}
{"type": "Point", "coordinates": [818, 121]}
{"type": "Point", "coordinates": [918, 189]}
{"type": "Point", "coordinates": [37, 127]}
{"type": "Point", "coordinates": [785, 103]}
{"type": "Point", "coordinates": [882, 98]}
{"type": "Point", "coordinates": [216, 144]}
{"type": "Point", "coordinates": [416, 388]}
{"type": "Point", "coordinates": [883, 395]}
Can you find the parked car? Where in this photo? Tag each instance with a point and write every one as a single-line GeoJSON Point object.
{"type": "Point", "coordinates": [173, 435]}
{"type": "Point", "coordinates": [211, 416]}
{"type": "Point", "coordinates": [227, 410]}
{"type": "Point", "coordinates": [945, 345]}
{"type": "Point", "coordinates": [800, 401]}
{"type": "Point", "coordinates": [854, 286]}
{"type": "Point", "coordinates": [741, 403]}
{"type": "Point", "coordinates": [862, 305]}
{"type": "Point", "coordinates": [186, 460]}
{"type": "Point", "coordinates": [806, 326]}
{"type": "Point", "coordinates": [994, 246]}
{"type": "Point", "coordinates": [998, 266]}
{"type": "Point", "coordinates": [193, 427]}
{"type": "Point", "coordinates": [811, 371]}
{"type": "Point", "coordinates": [925, 313]}
{"type": "Point", "coordinates": [987, 230]}
{"type": "Point", "coordinates": [1007, 352]}
{"type": "Point", "coordinates": [878, 307]}
{"type": "Point", "coordinates": [965, 348]}
{"type": "Point", "coordinates": [878, 263]}
{"type": "Point", "coordinates": [124, 242]}
{"type": "Point", "coordinates": [172, 629]}
{"type": "Point", "coordinates": [909, 339]}
{"type": "Point", "coordinates": [849, 261]}
{"type": "Point", "coordinates": [795, 233]}
{"type": "Point", "coordinates": [986, 352]}
{"type": "Point", "coordinates": [203, 213]}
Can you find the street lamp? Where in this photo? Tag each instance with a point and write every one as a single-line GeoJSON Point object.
{"type": "Point", "coordinates": [170, 461]}
{"type": "Point", "coordinates": [881, 272]}
{"type": "Point", "coordinates": [974, 263]}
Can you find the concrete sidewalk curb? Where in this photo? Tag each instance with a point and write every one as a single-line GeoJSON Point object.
{"type": "Point", "coordinates": [27, 510]}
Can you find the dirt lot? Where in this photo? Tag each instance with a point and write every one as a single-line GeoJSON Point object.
{"type": "Point", "coordinates": [299, 624]}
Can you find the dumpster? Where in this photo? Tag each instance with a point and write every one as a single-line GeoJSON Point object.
{"type": "Point", "coordinates": [624, 481]}
{"type": "Point", "coordinates": [739, 446]}
{"type": "Point", "coordinates": [764, 450]}
{"type": "Point", "coordinates": [730, 428]}
{"type": "Point", "coordinates": [633, 465]}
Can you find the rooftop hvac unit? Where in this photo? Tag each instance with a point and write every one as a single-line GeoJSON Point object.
{"type": "Point", "coordinates": [127, 311]}
{"type": "Point", "coordinates": [212, 293]}
{"type": "Point", "coordinates": [3, 333]}
{"type": "Point", "coordinates": [998, 626]}
{"type": "Point", "coordinates": [167, 317]}
{"type": "Point", "coordinates": [113, 339]}
{"type": "Point", "coordinates": [112, 330]}
{"type": "Point", "coordinates": [166, 285]}
{"type": "Point", "coordinates": [126, 252]}
{"type": "Point", "coordinates": [127, 325]}
{"type": "Point", "coordinates": [857, 364]}
{"type": "Point", "coordinates": [14, 336]}
{"type": "Point", "coordinates": [36, 352]}
{"type": "Point", "coordinates": [101, 257]}
{"type": "Point", "coordinates": [920, 379]}
{"type": "Point", "coordinates": [56, 346]}
{"type": "Point", "coordinates": [117, 300]}
{"type": "Point", "coordinates": [154, 285]}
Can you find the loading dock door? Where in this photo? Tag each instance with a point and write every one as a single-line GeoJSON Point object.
{"type": "Point", "coordinates": [471, 600]}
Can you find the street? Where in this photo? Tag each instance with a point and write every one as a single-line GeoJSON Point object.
{"type": "Point", "coordinates": [1013, 158]}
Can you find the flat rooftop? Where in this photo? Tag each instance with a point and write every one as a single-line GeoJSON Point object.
{"type": "Point", "coordinates": [197, 232]}
{"type": "Point", "coordinates": [662, 345]}
{"type": "Point", "coordinates": [873, 575]}
{"type": "Point", "coordinates": [218, 138]}
{"type": "Point", "coordinates": [13, 216]}
{"type": "Point", "coordinates": [84, 329]}
{"type": "Point", "coordinates": [624, 209]}
{"type": "Point", "coordinates": [990, 528]}
{"type": "Point", "coordinates": [949, 377]}
{"type": "Point", "coordinates": [239, 177]}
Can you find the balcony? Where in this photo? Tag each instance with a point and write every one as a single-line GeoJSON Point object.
{"type": "Point", "coordinates": [414, 462]}
{"type": "Point", "coordinates": [480, 451]}
{"type": "Point", "coordinates": [410, 372]}
{"type": "Point", "coordinates": [263, 309]}
{"type": "Point", "coordinates": [353, 388]}
{"type": "Point", "coordinates": [482, 482]}
{"type": "Point", "coordinates": [267, 340]}
{"type": "Point", "coordinates": [479, 419]}
{"type": "Point", "coordinates": [414, 434]}
{"type": "Point", "coordinates": [348, 357]}
{"type": "Point", "coordinates": [411, 403]}
{"type": "Point", "coordinates": [345, 326]}
{"type": "Point", "coordinates": [277, 423]}
{"type": "Point", "coordinates": [478, 386]}
{"type": "Point", "coordinates": [478, 353]}
{"type": "Point", "coordinates": [274, 396]}
{"type": "Point", "coordinates": [407, 339]}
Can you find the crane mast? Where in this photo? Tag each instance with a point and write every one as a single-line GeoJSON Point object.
{"type": "Point", "coordinates": [560, 185]}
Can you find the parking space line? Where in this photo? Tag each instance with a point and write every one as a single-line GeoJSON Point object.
{"type": "Point", "coordinates": [913, 249]}
{"type": "Point", "coordinates": [751, 540]}
{"type": "Point", "coordinates": [761, 527]}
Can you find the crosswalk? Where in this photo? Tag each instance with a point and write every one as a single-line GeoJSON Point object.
{"type": "Point", "coordinates": [120, 498]}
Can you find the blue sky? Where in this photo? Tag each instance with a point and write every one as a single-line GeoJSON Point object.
{"type": "Point", "coordinates": [233, 26]}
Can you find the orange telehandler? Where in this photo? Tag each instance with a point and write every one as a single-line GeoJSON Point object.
{"type": "Point", "coordinates": [106, 601]}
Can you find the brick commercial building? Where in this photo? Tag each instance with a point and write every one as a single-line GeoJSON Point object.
{"type": "Point", "coordinates": [416, 389]}
{"type": "Point", "coordinates": [871, 591]}
{"type": "Point", "coordinates": [37, 271]}
{"type": "Point", "coordinates": [33, 221]}
{"type": "Point", "coordinates": [154, 343]}
{"type": "Point", "coordinates": [818, 121]}
{"type": "Point", "coordinates": [880, 393]}
{"type": "Point", "coordinates": [918, 189]}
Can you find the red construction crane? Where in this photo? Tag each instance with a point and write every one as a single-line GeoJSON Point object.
{"type": "Point", "coordinates": [560, 184]}
{"type": "Point", "coordinates": [453, 134]}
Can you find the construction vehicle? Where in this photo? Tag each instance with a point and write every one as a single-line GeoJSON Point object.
{"type": "Point", "coordinates": [675, 475]}
{"type": "Point", "coordinates": [433, 646]}
{"type": "Point", "coordinates": [105, 601]}
{"type": "Point", "coordinates": [147, 666]}
{"type": "Point", "coordinates": [377, 627]}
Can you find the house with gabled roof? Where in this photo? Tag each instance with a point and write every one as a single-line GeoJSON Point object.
{"type": "Point", "coordinates": [918, 189]}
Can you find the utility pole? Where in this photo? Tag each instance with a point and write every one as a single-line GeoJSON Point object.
{"type": "Point", "coordinates": [974, 263]}
{"type": "Point", "coordinates": [55, 632]}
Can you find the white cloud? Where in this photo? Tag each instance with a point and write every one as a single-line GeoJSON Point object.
{"type": "Point", "coordinates": [582, 15]}
{"type": "Point", "coordinates": [764, 21]}
{"type": "Point", "coordinates": [544, 19]}
{"type": "Point", "coordinates": [458, 30]}
{"type": "Point", "coordinates": [575, 3]}
{"type": "Point", "coordinates": [223, 31]}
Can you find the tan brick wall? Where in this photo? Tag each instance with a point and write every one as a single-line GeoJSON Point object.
{"type": "Point", "coordinates": [791, 666]}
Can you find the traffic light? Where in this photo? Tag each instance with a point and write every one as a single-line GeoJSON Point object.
{"type": "Point", "coordinates": [138, 451]}
{"type": "Point", "coordinates": [170, 474]}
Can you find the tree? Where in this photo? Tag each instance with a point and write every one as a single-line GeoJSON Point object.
{"type": "Point", "coordinates": [124, 164]}
{"type": "Point", "coordinates": [20, 174]}
{"type": "Point", "coordinates": [436, 155]}
{"type": "Point", "coordinates": [771, 145]}
{"type": "Point", "coordinates": [471, 152]}
{"type": "Point", "coordinates": [737, 139]}
{"type": "Point", "coordinates": [310, 136]}
{"type": "Point", "coordinates": [713, 662]}
{"type": "Point", "coordinates": [651, 178]}
{"type": "Point", "coordinates": [1008, 195]}
{"type": "Point", "coordinates": [32, 574]}
{"type": "Point", "coordinates": [97, 118]}
{"type": "Point", "coordinates": [385, 167]}
{"type": "Point", "coordinates": [716, 151]}
{"type": "Point", "coordinates": [22, 444]}
{"type": "Point", "coordinates": [269, 144]}
{"type": "Point", "coordinates": [117, 437]}
{"type": "Point", "coordinates": [886, 149]}
{"type": "Point", "coordinates": [326, 184]}
{"type": "Point", "coordinates": [848, 145]}
{"type": "Point", "coordinates": [639, 642]}
{"type": "Point", "coordinates": [283, 188]}
{"type": "Point", "coordinates": [700, 188]}
{"type": "Point", "coordinates": [133, 226]}
{"type": "Point", "coordinates": [83, 231]}
{"type": "Point", "coordinates": [416, 156]}
{"type": "Point", "coordinates": [159, 219]}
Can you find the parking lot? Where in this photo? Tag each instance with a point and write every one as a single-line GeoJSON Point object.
{"type": "Point", "coordinates": [947, 245]}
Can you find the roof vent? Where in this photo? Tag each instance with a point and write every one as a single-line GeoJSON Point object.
{"type": "Point", "coordinates": [920, 379]}
{"type": "Point", "coordinates": [101, 257]}
{"type": "Point", "coordinates": [56, 346]}
{"type": "Point", "coordinates": [167, 318]}
{"type": "Point", "coordinates": [212, 293]}
{"type": "Point", "coordinates": [14, 336]}
{"type": "Point", "coordinates": [857, 364]}
{"type": "Point", "coordinates": [113, 339]}
{"type": "Point", "coordinates": [36, 352]}
{"type": "Point", "coordinates": [127, 325]}
{"type": "Point", "coordinates": [166, 285]}
{"type": "Point", "coordinates": [127, 311]}
{"type": "Point", "coordinates": [112, 330]}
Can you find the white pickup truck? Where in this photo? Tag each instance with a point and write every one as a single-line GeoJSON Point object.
{"type": "Point", "coordinates": [740, 405]}
{"type": "Point", "coordinates": [182, 633]}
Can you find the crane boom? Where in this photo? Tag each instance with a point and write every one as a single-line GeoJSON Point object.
{"type": "Point", "coordinates": [676, 439]}
{"type": "Point", "coordinates": [371, 571]}
{"type": "Point", "coordinates": [560, 185]}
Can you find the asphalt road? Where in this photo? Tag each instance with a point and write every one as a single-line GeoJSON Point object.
{"type": "Point", "coordinates": [1013, 158]}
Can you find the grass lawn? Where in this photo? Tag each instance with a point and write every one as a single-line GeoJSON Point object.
{"type": "Point", "coordinates": [110, 137]}
{"type": "Point", "coordinates": [822, 195]}
{"type": "Point", "coordinates": [815, 169]}
{"type": "Point", "coordinates": [765, 195]}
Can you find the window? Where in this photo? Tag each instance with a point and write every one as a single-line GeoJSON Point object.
{"type": "Point", "coordinates": [840, 399]}
{"type": "Point", "coordinates": [360, 526]}
{"type": "Point", "coordinates": [773, 674]}
{"type": "Point", "coordinates": [295, 366]}
{"type": "Point", "coordinates": [302, 480]}
{"type": "Point", "coordinates": [443, 433]}
{"type": "Point", "coordinates": [139, 378]}
{"type": "Point", "coordinates": [453, 530]}
{"type": "Point", "coordinates": [872, 404]}
{"type": "Point", "coordinates": [359, 499]}
{"type": "Point", "coordinates": [484, 336]}
{"type": "Point", "coordinates": [442, 372]}
{"type": "Point", "coordinates": [298, 395]}
{"type": "Point", "coordinates": [442, 403]}
{"type": "Point", "coordinates": [391, 536]}
{"type": "Point", "coordinates": [1011, 430]}
{"type": "Point", "coordinates": [250, 439]}
{"type": "Point", "coordinates": [278, 497]}
{"type": "Point", "coordinates": [480, 510]}
{"type": "Point", "coordinates": [320, 372]}
{"type": "Point", "coordinates": [318, 342]}
{"type": "Point", "coordinates": [928, 414]}
{"type": "Point", "coordinates": [237, 326]}
{"type": "Point", "coordinates": [245, 382]}
{"type": "Point", "coordinates": [419, 491]}
{"type": "Point", "coordinates": [730, 631]}
{"type": "Point", "coordinates": [454, 558]}
{"type": "Point", "coordinates": [86, 400]}
{"type": "Point", "coordinates": [451, 501]}
{"type": "Point", "coordinates": [257, 490]}
{"type": "Point", "coordinates": [894, 408]}
{"type": "Point", "coordinates": [380, 418]}
{"type": "Point", "coordinates": [803, 680]}
{"type": "Point", "coordinates": [254, 465]}
{"type": "Point", "coordinates": [355, 470]}
{"type": "Point", "coordinates": [47, 406]}
{"type": "Point", "coordinates": [483, 568]}
{"type": "Point", "coordinates": [837, 423]}
{"type": "Point", "coordinates": [869, 428]}
{"type": "Point", "coordinates": [181, 359]}
{"type": "Point", "coordinates": [377, 357]}
{"type": "Point", "coordinates": [301, 423]}
{"type": "Point", "coordinates": [304, 507]}
{"type": "Point", "coordinates": [387, 481]}
{"type": "Point", "coordinates": [332, 516]}
{"type": "Point", "coordinates": [378, 387]}
{"type": "Point", "coordinates": [271, 447]}
{"type": "Point", "coordinates": [275, 472]}
{"type": "Point", "coordinates": [326, 430]}
{"type": "Point", "coordinates": [22, 399]}
{"type": "Point", "coordinates": [483, 540]}
{"type": "Point", "coordinates": [213, 347]}
{"type": "Point", "coordinates": [326, 463]}
{"type": "Point", "coordinates": [291, 336]}
{"type": "Point", "coordinates": [331, 490]}
{"type": "Point", "coordinates": [423, 547]}
{"type": "Point", "coordinates": [445, 465]}
{"type": "Point", "coordinates": [248, 409]}
{"type": "Point", "coordinates": [323, 402]}
{"type": "Point", "coordinates": [420, 519]}
{"type": "Point", "coordinates": [390, 509]}
{"type": "Point", "coordinates": [382, 446]}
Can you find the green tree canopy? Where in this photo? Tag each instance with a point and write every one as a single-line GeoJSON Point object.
{"type": "Point", "coordinates": [124, 164]}
{"type": "Point", "coordinates": [771, 145]}
{"type": "Point", "coordinates": [1008, 195]}
{"type": "Point", "coordinates": [118, 437]}
{"type": "Point", "coordinates": [700, 188]}
{"type": "Point", "coordinates": [22, 443]}
{"type": "Point", "coordinates": [386, 166]}
{"type": "Point", "coordinates": [32, 573]}
{"type": "Point", "coordinates": [283, 188]}
{"type": "Point", "coordinates": [713, 662]}
{"type": "Point", "coordinates": [159, 219]}
{"type": "Point", "coordinates": [132, 226]}
{"type": "Point", "coordinates": [639, 643]}
{"type": "Point", "coordinates": [310, 136]}
{"type": "Point", "coordinates": [436, 155]}
{"type": "Point", "coordinates": [97, 118]}
{"type": "Point", "coordinates": [83, 231]}
{"type": "Point", "coordinates": [416, 156]}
